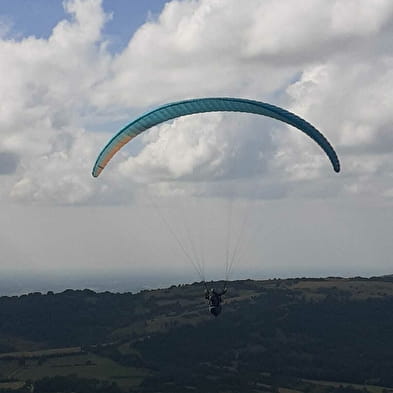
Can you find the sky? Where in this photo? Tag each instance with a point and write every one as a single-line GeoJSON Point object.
{"type": "Point", "coordinates": [204, 189]}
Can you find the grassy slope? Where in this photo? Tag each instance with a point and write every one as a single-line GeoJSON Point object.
{"type": "Point", "coordinates": [161, 311]}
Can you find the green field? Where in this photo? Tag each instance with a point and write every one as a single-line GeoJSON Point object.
{"type": "Point", "coordinates": [84, 366]}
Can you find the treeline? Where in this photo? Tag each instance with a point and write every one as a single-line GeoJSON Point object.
{"type": "Point", "coordinates": [65, 319]}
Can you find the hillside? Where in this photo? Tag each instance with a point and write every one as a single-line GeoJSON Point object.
{"type": "Point", "coordinates": [322, 335]}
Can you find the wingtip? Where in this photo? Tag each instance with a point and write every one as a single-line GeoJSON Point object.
{"type": "Point", "coordinates": [97, 170]}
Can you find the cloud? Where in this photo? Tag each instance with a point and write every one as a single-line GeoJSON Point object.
{"type": "Point", "coordinates": [349, 99]}
{"type": "Point", "coordinates": [235, 48]}
{"type": "Point", "coordinates": [45, 92]}
{"type": "Point", "coordinates": [203, 146]}
{"type": "Point", "coordinates": [330, 62]}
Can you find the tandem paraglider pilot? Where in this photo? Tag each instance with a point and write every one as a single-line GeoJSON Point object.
{"type": "Point", "coordinates": [215, 299]}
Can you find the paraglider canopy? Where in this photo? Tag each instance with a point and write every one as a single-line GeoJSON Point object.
{"type": "Point", "coordinates": [201, 105]}
{"type": "Point", "coordinates": [226, 234]}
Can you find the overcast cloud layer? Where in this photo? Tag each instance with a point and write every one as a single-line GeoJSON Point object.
{"type": "Point", "coordinates": [331, 62]}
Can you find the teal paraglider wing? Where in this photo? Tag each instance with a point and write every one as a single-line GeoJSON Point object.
{"type": "Point", "coordinates": [201, 105]}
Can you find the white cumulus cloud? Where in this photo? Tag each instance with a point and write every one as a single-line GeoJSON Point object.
{"type": "Point", "coordinates": [329, 62]}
